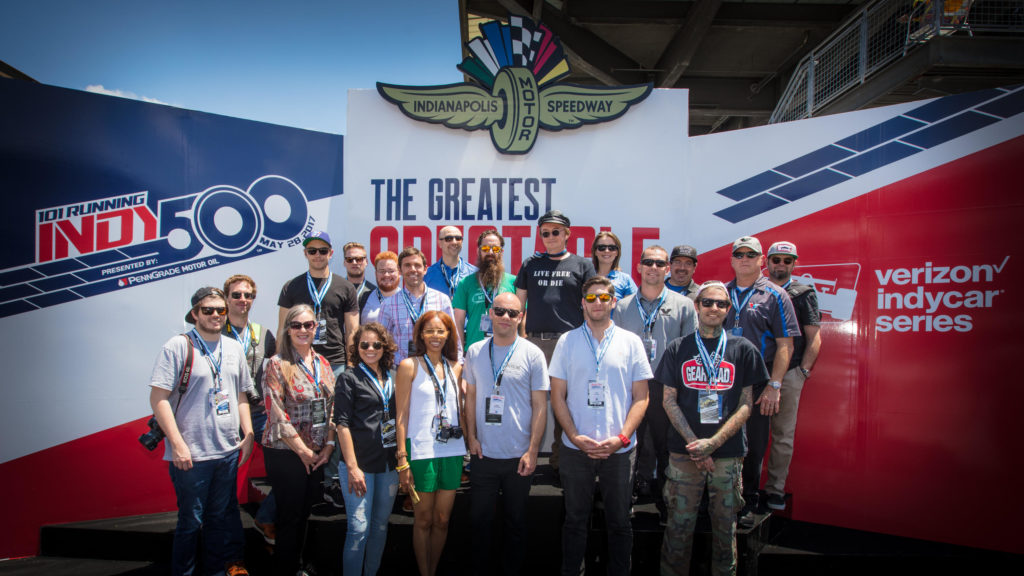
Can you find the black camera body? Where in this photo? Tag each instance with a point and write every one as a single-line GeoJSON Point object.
{"type": "Point", "coordinates": [154, 436]}
{"type": "Point", "coordinates": [446, 433]}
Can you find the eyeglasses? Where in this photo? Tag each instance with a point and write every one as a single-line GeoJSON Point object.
{"type": "Point", "coordinates": [354, 259]}
{"type": "Point", "coordinates": [322, 251]}
{"type": "Point", "coordinates": [709, 302]}
{"type": "Point", "coordinates": [451, 238]}
{"type": "Point", "coordinates": [654, 263]}
{"type": "Point", "coordinates": [606, 248]}
{"type": "Point", "coordinates": [499, 311]}
{"type": "Point", "coordinates": [491, 249]}
{"type": "Point", "coordinates": [546, 233]}
{"type": "Point", "coordinates": [590, 298]}
{"type": "Point", "coordinates": [741, 255]}
{"type": "Point", "coordinates": [211, 310]}
{"type": "Point", "coordinates": [246, 295]}
{"type": "Point", "coordinates": [366, 345]}
{"type": "Point", "coordinates": [307, 325]}
{"type": "Point", "coordinates": [434, 331]}
{"type": "Point", "coordinates": [780, 260]}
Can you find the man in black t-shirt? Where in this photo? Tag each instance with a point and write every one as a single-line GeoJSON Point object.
{"type": "Point", "coordinates": [550, 287]}
{"type": "Point", "coordinates": [708, 378]}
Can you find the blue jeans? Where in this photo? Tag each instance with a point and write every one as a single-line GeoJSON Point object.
{"type": "Point", "coordinates": [207, 502]}
{"type": "Point", "coordinates": [367, 520]}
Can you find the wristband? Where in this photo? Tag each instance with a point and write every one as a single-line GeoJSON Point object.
{"type": "Point", "coordinates": [332, 443]}
{"type": "Point", "coordinates": [624, 440]}
{"type": "Point", "coordinates": [403, 467]}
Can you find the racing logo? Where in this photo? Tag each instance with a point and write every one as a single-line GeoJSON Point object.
{"type": "Point", "coordinates": [516, 67]}
{"type": "Point", "coordinates": [836, 285]}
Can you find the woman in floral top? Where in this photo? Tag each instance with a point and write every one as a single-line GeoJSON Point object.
{"type": "Point", "coordinates": [299, 388]}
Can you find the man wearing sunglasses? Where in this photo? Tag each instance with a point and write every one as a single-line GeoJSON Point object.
{"type": "Point", "coordinates": [355, 266]}
{"type": "Point", "coordinates": [445, 274]}
{"type": "Point", "coordinates": [682, 265]}
{"type": "Point", "coordinates": [599, 375]}
{"type": "Point", "coordinates": [201, 422]}
{"type": "Point", "coordinates": [806, 347]}
{"type": "Point", "coordinates": [506, 383]}
{"type": "Point", "coordinates": [658, 316]}
{"type": "Point", "coordinates": [763, 314]}
{"type": "Point", "coordinates": [708, 378]}
{"type": "Point", "coordinates": [550, 287]}
{"type": "Point", "coordinates": [477, 292]}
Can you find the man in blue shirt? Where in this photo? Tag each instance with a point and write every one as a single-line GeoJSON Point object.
{"type": "Point", "coordinates": [445, 274]}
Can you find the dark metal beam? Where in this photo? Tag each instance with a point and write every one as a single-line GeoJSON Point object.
{"type": "Point", "coordinates": [680, 51]}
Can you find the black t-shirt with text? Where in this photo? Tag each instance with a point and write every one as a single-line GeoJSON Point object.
{"type": "Point", "coordinates": [554, 289]}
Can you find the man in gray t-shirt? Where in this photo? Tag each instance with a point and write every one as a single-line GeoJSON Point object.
{"type": "Point", "coordinates": [506, 387]}
{"type": "Point", "coordinates": [201, 423]}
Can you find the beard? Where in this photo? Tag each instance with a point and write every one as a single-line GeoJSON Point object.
{"type": "Point", "coordinates": [491, 272]}
{"type": "Point", "coordinates": [386, 287]}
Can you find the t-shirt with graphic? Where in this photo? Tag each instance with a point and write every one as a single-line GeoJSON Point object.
{"type": "Point", "coordinates": [682, 369]}
{"type": "Point", "coordinates": [554, 289]}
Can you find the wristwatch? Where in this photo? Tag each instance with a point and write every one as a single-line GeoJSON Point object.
{"type": "Point", "coordinates": [625, 440]}
{"type": "Point", "coordinates": [775, 384]}
{"type": "Point", "coordinates": [804, 371]}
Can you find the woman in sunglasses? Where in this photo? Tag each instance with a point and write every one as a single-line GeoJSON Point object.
{"type": "Point", "coordinates": [298, 440]}
{"type": "Point", "coordinates": [430, 433]}
{"type": "Point", "coordinates": [364, 412]}
{"type": "Point", "coordinates": [605, 253]}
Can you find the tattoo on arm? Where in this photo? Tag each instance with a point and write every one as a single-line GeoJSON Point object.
{"type": "Point", "coordinates": [735, 422]}
{"type": "Point", "coordinates": [675, 415]}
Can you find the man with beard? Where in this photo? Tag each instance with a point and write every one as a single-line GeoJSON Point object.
{"type": "Point", "coordinates": [445, 274]}
{"type": "Point", "coordinates": [476, 293]}
{"type": "Point", "coordinates": [386, 267]}
{"type": "Point", "coordinates": [355, 266]}
{"type": "Point", "coordinates": [682, 265]}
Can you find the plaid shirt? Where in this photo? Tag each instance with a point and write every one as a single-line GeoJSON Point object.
{"type": "Point", "coordinates": [394, 315]}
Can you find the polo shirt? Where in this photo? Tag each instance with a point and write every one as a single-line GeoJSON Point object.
{"type": "Point", "coordinates": [676, 317]}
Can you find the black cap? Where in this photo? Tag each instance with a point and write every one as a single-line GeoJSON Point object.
{"type": "Point", "coordinates": [198, 297]}
{"type": "Point", "coordinates": [684, 250]}
{"type": "Point", "coordinates": [554, 217]}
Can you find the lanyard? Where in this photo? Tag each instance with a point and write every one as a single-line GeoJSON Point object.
{"type": "Point", "coordinates": [244, 338]}
{"type": "Point", "coordinates": [711, 363]}
{"type": "Point", "coordinates": [499, 372]}
{"type": "Point", "coordinates": [488, 294]}
{"type": "Point", "coordinates": [414, 315]}
{"type": "Point", "coordinates": [605, 343]}
{"type": "Point", "coordinates": [786, 285]}
{"type": "Point", "coordinates": [550, 255]}
{"type": "Point", "coordinates": [386, 391]}
{"type": "Point", "coordinates": [453, 280]}
{"type": "Point", "coordinates": [214, 363]}
{"type": "Point", "coordinates": [359, 289]}
{"type": "Point", "coordinates": [318, 295]}
{"type": "Point", "coordinates": [650, 320]}
{"type": "Point", "coordinates": [733, 295]}
{"type": "Point", "coordinates": [440, 392]}
{"type": "Point", "coordinates": [313, 375]}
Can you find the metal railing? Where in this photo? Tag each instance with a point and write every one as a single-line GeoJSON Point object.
{"type": "Point", "coordinates": [878, 34]}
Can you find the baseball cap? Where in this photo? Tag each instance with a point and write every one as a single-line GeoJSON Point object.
{"type": "Point", "coordinates": [787, 248]}
{"type": "Point", "coordinates": [684, 250]}
{"type": "Point", "coordinates": [554, 217]}
{"type": "Point", "coordinates": [198, 297]}
{"type": "Point", "coordinates": [747, 242]}
{"type": "Point", "coordinates": [318, 235]}
{"type": "Point", "coordinates": [710, 284]}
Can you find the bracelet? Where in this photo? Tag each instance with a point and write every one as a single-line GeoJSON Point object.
{"type": "Point", "coordinates": [624, 439]}
{"type": "Point", "coordinates": [332, 443]}
{"type": "Point", "coordinates": [402, 468]}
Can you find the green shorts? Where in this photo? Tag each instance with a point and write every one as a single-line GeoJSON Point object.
{"type": "Point", "coordinates": [433, 474]}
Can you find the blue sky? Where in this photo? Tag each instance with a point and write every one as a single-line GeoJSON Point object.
{"type": "Point", "coordinates": [288, 63]}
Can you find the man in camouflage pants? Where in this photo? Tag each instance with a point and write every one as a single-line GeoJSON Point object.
{"type": "Point", "coordinates": [708, 378]}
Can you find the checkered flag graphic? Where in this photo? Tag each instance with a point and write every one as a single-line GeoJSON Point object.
{"type": "Point", "coordinates": [525, 39]}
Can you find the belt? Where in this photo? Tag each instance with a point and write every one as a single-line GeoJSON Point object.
{"type": "Point", "coordinates": [545, 335]}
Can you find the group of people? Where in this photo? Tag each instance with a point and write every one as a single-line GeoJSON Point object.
{"type": "Point", "coordinates": [389, 386]}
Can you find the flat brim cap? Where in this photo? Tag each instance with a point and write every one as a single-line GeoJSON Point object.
{"type": "Point", "coordinates": [318, 235]}
{"type": "Point", "coordinates": [554, 217]}
{"type": "Point", "coordinates": [747, 242]}
{"type": "Point", "coordinates": [684, 250]}
{"type": "Point", "coordinates": [198, 297]}
{"type": "Point", "coordinates": [787, 248]}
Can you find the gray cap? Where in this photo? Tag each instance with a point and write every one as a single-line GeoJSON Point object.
{"type": "Point", "coordinates": [747, 242]}
{"type": "Point", "coordinates": [554, 217]}
{"type": "Point", "coordinates": [710, 284]}
{"type": "Point", "coordinates": [684, 250]}
{"type": "Point", "coordinates": [198, 297]}
{"type": "Point", "coordinates": [786, 248]}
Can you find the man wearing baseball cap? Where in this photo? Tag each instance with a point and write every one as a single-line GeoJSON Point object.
{"type": "Point", "coordinates": [682, 264]}
{"type": "Point", "coordinates": [782, 258]}
{"type": "Point", "coordinates": [762, 313]}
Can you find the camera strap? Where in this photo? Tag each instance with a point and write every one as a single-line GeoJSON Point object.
{"type": "Point", "coordinates": [186, 372]}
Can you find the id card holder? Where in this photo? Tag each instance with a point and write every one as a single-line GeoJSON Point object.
{"type": "Point", "coordinates": [221, 402]}
{"type": "Point", "coordinates": [318, 415]}
{"type": "Point", "coordinates": [485, 324]}
{"type": "Point", "coordinates": [737, 330]}
{"type": "Point", "coordinates": [651, 347]}
{"type": "Point", "coordinates": [387, 433]}
{"type": "Point", "coordinates": [708, 404]}
{"type": "Point", "coordinates": [595, 394]}
{"type": "Point", "coordinates": [412, 348]}
{"type": "Point", "coordinates": [495, 406]}
{"type": "Point", "coordinates": [320, 337]}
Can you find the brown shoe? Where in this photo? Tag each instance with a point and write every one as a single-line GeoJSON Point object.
{"type": "Point", "coordinates": [407, 504]}
{"type": "Point", "coordinates": [267, 530]}
{"type": "Point", "coordinates": [236, 568]}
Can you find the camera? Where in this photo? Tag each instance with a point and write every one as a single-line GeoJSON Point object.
{"type": "Point", "coordinates": [152, 438]}
{"type": "Point", "coordinates": [446, 433]}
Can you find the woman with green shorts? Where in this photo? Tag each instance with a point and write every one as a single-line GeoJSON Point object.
{"type": "Point", "coordinates": [429, 428]}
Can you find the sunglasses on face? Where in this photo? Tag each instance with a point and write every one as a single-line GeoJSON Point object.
{"type": "Point", "coordinates": [246, 295]}
{"type": "Point", "coordinates": [742, 255]}
{"type": "Point", "coordinates": [367, 345]}
{"type": "Point", "coordinates": [354, 259]}
{"type": "Point", "coordinates": [651, 262]}
{"type": "Point", "coordinates": [491, 249]}
{"type": "Point", "coordinates": [499, 311]}
{"type": "Point", "coordinates": [779, 260]}
{"type": "Point", "coordinates": [546, 233]}
{"type": "Point", "coordinates": [590, 298]}
{"type": "Point", "coordinates": [451, 238]}
{"type": "Point", "coordinates": [211, 310]}
{"type": "Point", "coordinates": [709, 302]}
{"type": "Point", "coordinates": [322, 251]}
{"type": "Point", "coordinates": [606, 248]}
{"type": "Point", "coordinates": [307, 325]}
{"type": "Point", "coordinates": [434, 331]}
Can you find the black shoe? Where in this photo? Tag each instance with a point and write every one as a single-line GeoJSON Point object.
{"type": "Point", "coordinates": [333, 495]}
{"type": "Point", "coordinates": [776, 502]}
{"type": "Point", "coordinates": [663, 517]}
{"type": "Point", "coordinates": [642, 488]}
{"type": "Point", "coordinates": [747, 520]}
